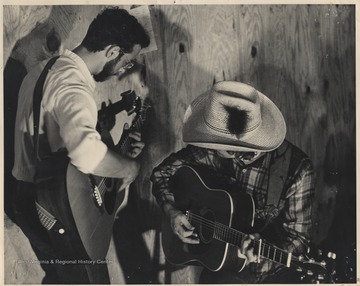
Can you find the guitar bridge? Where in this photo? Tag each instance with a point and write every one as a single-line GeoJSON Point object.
{"type": "Point", "coordinates": [97, 196]}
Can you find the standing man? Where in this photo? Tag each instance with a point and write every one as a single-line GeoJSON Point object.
{"type": "Point", "coordinates": [68, 118]}
{"type": "Point", "coordinates": [237, 134]}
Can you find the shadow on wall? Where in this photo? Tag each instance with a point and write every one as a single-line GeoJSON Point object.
{"type": "Point", "coordinates": [141, 258]}
{"type": "Point", "coordinates": [339, 165]}
{"type": "Point", "coordinates": [14, 74]}
{"type": "Point", "coordinates": [141, 264]}
{"type": "Point", "coordinates": [137, 229]}
{"type": "Point", "coordinates": [46, 39]}
{"type": "Point", "coordinates": [340, 172]}
{"type": "Point", "coordinates": [329, 121]}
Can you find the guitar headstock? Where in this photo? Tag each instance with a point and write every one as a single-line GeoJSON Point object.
{"type": "Point", "coordinates": [132, 103]}
{"type": "Point", "coordinates": [129, 102]}
{"type": "Point", "coordinates": [316, 267]}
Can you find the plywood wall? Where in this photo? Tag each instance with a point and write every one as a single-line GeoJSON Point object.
{"type": "Point", "coordinates": [301, 56]}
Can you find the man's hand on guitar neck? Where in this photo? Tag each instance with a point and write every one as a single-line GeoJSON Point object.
{"type": "Point", "coordinates": [246, 251]}
{"type": "Point", "coordinates": [136, 146]}
{"type": "Point", "coordinates": [180, 225]}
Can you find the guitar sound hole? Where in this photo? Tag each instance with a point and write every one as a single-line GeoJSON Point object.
{"type": "Point", "coordinates": [206, 231]}
{"type": "Point", "coordinates": [108, 184]}
{"type": "Point", "coordinates": [109, 201]}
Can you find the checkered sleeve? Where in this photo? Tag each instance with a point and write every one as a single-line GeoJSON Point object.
{"type": "Point", "coordinates": [298, 211]}
{"type": "Point", "coordinates": [161, 174]}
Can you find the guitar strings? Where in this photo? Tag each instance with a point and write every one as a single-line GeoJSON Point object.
{"type": "Point", "coordinates": [296, 262]}
{"type": "Point", "coordinates": [212, 226]}
{"type": "Point", "coordinates": [235, 234]}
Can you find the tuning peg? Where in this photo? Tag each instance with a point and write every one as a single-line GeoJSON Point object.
{"type": "Point", "coordinates": [312, 260]}
{"type": "Point", "coordinates": [323, 263]}
{"type": "Point", "coordinates": [331, 255]}
{"type": "Point", "coordinates": [301, 257]}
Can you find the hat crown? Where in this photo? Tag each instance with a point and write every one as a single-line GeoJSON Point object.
{"type": "Point", "coordinates": [239, 97]}
{"type": "Point", "coordinates": [234, 116]}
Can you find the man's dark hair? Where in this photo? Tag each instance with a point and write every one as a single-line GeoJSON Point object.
{"type": "Point", "coordinates": [115, 26]}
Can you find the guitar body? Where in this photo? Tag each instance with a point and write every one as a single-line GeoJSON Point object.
{"type": "Point", "coordinates": [202, 194]}
{"type": "Point", "coordinates": [222, 218]}
{"type": "Point", "coordinates": [68, 195]}
{"type": "Point", "coordinates": [85, 205]}
{"type": "Point", "coordinates": [94, 223]}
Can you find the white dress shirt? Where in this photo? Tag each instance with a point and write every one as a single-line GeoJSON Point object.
{"type": "Point", "coordinates": [68, 116]}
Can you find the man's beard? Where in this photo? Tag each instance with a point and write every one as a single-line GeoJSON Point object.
{"type": "Point", "coordinates": [107, 71]}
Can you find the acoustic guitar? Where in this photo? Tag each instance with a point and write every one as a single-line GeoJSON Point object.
{"type": "Point", "coordinates": [84, 204]}
{"type": "Point", "coordinates": [221, 221]}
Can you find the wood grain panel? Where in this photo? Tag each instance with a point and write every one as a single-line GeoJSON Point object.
{"type": "Point", "coordinates": [19, 21]}
{"type": "Point", "coordinates": [283, 50]}
{"type": "Point", "coordinates": [301, 56]}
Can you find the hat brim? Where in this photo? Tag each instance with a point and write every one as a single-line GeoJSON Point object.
{"type": "Point", "coordinates": [267, 137]}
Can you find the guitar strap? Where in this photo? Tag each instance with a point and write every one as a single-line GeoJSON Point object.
{"type": "Point", "coordinates": [49, 177]}
{"type": "Point", "coordinates": [46, 219]}
{"type": "Point", "coordinates": [37, 97]}
{"type": "Point", "coordinates": [278, 173]}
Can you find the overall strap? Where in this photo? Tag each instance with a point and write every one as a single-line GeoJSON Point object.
{"type": "Point", "coordinates": [278, 173]}
{"type": "Point", "coordinates": [279, 168]}
{"type": "Point", "coordinates": [37, 97]}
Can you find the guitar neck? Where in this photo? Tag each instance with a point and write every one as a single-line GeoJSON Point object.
{"type": "Point", "coordinates": [124, 144]}
{"type": "Point", "coordinates": [229, 235]}
{"type": "Point", "coordinates": [112, 109]}
{"type": "Point", "coordinates": [128, 103]}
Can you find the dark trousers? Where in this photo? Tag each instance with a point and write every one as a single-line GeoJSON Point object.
{"type": "Point", "coordinates": [57, 271]}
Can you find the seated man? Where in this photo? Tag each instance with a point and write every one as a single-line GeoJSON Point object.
{"type": "Point", "coordinates": [237, 132]}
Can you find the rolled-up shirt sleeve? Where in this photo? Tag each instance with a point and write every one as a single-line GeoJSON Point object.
{"type": "Point", "coordinates": [75, 112]}
{"type": "Point", "coordinates": [160, 177]}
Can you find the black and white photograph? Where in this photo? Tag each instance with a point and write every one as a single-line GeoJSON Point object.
{"type": "Point", "coordinates": [179, 142]}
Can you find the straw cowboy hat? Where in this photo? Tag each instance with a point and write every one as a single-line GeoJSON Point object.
{"type": "Point", "coordinates": [208, 120]}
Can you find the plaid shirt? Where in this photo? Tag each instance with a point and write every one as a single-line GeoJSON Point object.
{"type": "Point", "coordinates": [294, 207]}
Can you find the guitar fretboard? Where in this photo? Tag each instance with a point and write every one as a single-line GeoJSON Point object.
{"type": "Point", "coordinates": [226, 234]}
{"type": "Point", "coordinates": [125, 143]}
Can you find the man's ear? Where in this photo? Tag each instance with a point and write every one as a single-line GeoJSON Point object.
{"type": "Point", "coordinates": [112, 51]}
